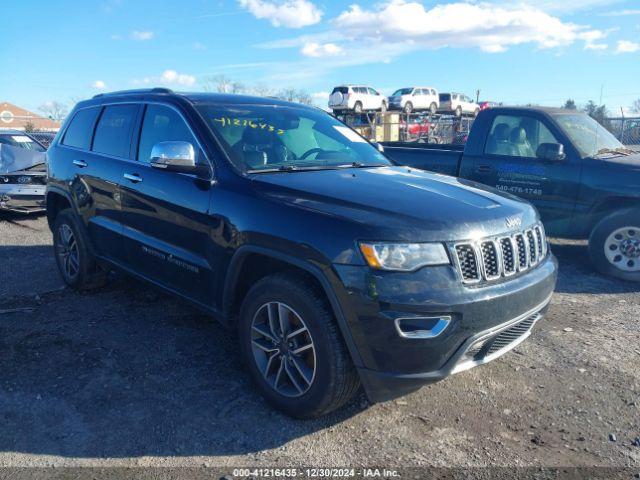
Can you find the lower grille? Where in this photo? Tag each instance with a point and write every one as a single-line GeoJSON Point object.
{"type": "Point", "coordinates": [506, 337]}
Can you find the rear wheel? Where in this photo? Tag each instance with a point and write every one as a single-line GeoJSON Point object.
{"type": "Point", "coordinates": [383, 107]}
{"type": "Point", "coordinates": [357, 107]}
{"type": "Point", "coordinates": [614, 245]}
{"type": "Point", "coordinates": [77, 266]}
{"type": "Point", "coordinates": [433, 108]}
{"type": "Point", "coordinates": [476, 112]}
{"type": "Point", "coordinates": [458, 112]}
{"type": "Point", "coordinates": [408, 107]}
{"type": "Point", "coordinates": [293, 348]}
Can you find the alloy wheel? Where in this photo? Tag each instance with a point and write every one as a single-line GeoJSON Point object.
{"type": "Point", "coordinates": [283, 349]}
{"type": "Point", "coordinates": [68, 253]}
{"type": "Point", "coordinates": [622, 249]}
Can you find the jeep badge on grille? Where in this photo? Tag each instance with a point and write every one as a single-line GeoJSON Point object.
{"type": "Point", "coordinates": [513, 222]}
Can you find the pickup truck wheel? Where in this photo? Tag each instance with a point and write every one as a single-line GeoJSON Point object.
{"type": "Point", "coordinates": [408, 107]}
{"type": "Point", "coordinates": [293, 348]}
{"type": "Point", "coordinates": [77, 266]}
{"type": "Point", "coordinates": [614, 245]}
{"type": "Point", "coordinates": [357, 107]}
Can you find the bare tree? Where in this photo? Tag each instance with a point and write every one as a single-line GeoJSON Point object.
{"type": "Point", "coordinates": [635, 106]}
{"type": "Point", "coordinates": [290, 94]}
{"type": "Point", "coordinates": [217, 83]}
{"type": "Point", "coordinates": [54, 110]}
{"type": "Point", "coordinates": [262, 90]}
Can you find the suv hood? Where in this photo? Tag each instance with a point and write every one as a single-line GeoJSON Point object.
{"type": "Point", "coordinates": [629, 161]}
{"type": "Point", "coordinates": [403, 203]}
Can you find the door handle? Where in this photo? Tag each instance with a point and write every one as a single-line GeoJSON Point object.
{"type": "Point", "coordinates": [484, 168]}
{"type": "Point", "coordinates": [80, 163]}
{"type": "Point", "coordinates": [133, 177]}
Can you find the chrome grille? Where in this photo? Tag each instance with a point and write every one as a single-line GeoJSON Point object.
{"type": "Point", "coordinates": [467, 263]}
{"type": "Point", "coordinates": [508, 256]}
{"type": "Point", "coordinates": [532, 246]}
{"type": "Point", "coordinates": [490, 259]}
{"type": "Point", "coordinates": [523, 259]}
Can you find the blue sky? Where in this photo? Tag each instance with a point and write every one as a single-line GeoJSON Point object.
{"type": "Point", "coordinates": [534, 51]}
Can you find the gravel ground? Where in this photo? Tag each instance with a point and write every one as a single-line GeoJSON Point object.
{"type": "Point", "coordinates": [129, 376]}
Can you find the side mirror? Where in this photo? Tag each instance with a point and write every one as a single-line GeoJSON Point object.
{"type": "Point", "coordinates": [377, 146]}
{"type": "Point", "coordinates": [174, 157]}
{"type": "Point", "coordinates": [551, 151]}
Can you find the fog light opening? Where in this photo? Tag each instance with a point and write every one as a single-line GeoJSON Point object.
{"type": "Point", "coordinates": [422, 327]}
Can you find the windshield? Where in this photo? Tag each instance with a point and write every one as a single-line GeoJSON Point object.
{"type": "Point", "coordinates": [590, 138]}
{"type": "Point", "coordinates": [402, 91]}
{"type": "Point", "coordinates": [21, 141]}
{"type": "Point", "coordinates": [269, 137]}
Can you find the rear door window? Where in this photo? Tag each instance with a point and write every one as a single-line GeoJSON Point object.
{"type": "Point", "coordinates": [80, 129]}
{"type": "Point", "coordinates": [113, 133]}
{"type": "Point", "coordinates": [445, 97]}
{"type": "Point", "coordinates": [343, 90]}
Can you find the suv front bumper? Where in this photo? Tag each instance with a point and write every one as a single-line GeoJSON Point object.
{"type": "Point", "coordinates": [22, 198]}
{"type": "Point", "coordinates": [485, 322]}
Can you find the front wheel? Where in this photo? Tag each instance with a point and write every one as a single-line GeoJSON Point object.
{"type": "Point", "coordinates": [408, 107]}
{"type": "Point", "coordinates": [293, 348]}
{"type": "Point", "coordinates": [78, 267]}
{"type": "Point", "coordinates": [614, 245]}
{"type": "Point", "coordinates": [458, 112]}
{"type": "Point", "coordinates": [433, 109]}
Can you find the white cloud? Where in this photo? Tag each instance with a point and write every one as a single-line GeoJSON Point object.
{"type": "Point", "coordinates": [199, 46]}
{"type": "Point", "coordinates": [314, 49]}
{"type": "Point", "coordinates": [290, 13]}
{"type": "Point", "coordinates": [99, 84]}
{"type": "Point", "coordinates": [142, 35]}
{"type": "Point", "coordinates": [490, 27]}
{"type": "Point", "coordinates": [625, 46]}
{"type": "Point", "coordinates": [169, 77]}
{"type": "Point", "coordinates": [620, 13]}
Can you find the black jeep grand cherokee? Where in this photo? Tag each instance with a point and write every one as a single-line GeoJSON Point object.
{"type": "Point", "coordinates": [337, 267]}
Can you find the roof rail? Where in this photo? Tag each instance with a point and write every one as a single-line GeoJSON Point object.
{"type": "Point", "coordinates": [136, 91]}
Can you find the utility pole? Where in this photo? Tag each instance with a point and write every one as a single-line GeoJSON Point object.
{"type": "Point", "coordinates": [477, 95]}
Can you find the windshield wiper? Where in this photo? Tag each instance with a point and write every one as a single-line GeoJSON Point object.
{"type": "Point", "coordinates": [361, 165]}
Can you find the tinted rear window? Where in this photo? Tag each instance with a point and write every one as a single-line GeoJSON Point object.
{"type": "Point", "coordinates": [445, 97]}
{"type": "Point", "coordinates": [113, 133]}
{"type": "Point", "coordinates": [81, 127]}
{"type": "Point", "coordinates": [341, 90]}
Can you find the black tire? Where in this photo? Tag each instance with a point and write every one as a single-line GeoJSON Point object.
{"type": "Point", "coordinates": [458, 112]}
{"type": "Point", "coordinates": [383, 107]}
{"type": "Point", "coordinates": [78, 268]}
{"type": "Point", "coordinates": [476, 112]}
{"type": "Point", "coordinates": [357, 107]}
{"type": "Point", "coordinates": [334, 380]}
{"type": "Point", "coordinates": [613, 257]}
{"type": "Point", "coordinates": [433, 109]}
{"type": "Point", "coordinates": [408, 107]}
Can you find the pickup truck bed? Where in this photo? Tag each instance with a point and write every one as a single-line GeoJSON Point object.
{"type": "Point", "coordinates": [444, 159]}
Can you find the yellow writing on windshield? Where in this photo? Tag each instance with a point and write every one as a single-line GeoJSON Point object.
{"type": "Point", "coordinates": [243, 122]}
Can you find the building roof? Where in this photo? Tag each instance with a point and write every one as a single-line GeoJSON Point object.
{"type": "Point", "coordinates": [17, 118]}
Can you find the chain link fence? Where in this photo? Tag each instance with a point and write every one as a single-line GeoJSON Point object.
{"type": "Point", "coordinates": [626, 129]}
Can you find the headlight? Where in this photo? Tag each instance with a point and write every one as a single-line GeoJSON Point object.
{"type": "Point", "coordinates": [404, 256]}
